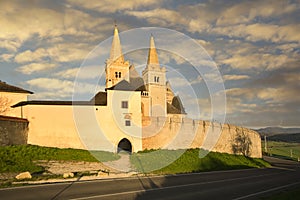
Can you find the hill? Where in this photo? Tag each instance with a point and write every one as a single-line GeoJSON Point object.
{"type": "Point", "coordinates": [269, 131]}
{"type": "Point", "coordinates": [293, 138]}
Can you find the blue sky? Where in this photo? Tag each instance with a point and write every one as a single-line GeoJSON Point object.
{"type": "Point", "coordinates": [255, 44]}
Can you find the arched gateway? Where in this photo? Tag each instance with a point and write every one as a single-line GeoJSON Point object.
{"type": "Point", "coordinates": [125, 145]}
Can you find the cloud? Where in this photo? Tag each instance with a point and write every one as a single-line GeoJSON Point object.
{"type": "Point", "coordinates": [235, 77]}
{"type": "Point", "coordinates": [53, 87]}
{"type": "Point", "coordinates": [35, 67]}
{"type": "Point", "coordinates": [6, 57]}
{"type": "Point", "coordinates": [86, 72]}
{"type": "Point", "coordinates": [30, 56]}
{"type": "Point", "coordinates": [10, 45]}
{"type": "Point", "coordinates": [21, 21]}
{"type": "Point", "coordinates": [260, 61]}
{"type": "Point", "coordinates": [248, 11]}
{"type": "Point", "coordinates": [63, 52]}
{"type": "Point", "coordinates": [108, 6]}
{"type": "Point", "coordinates": [259, 32]}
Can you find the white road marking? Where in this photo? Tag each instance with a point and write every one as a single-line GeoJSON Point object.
{"type": "Point", "coordinates": [266, 191]}
{"type": "Point", "coordinates": [169, 187]}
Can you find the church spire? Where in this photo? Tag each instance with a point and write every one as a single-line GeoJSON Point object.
{"type": "Point", "coordinates": [152, 55]}
{"type": "Point", "coordinates": [116, 50]}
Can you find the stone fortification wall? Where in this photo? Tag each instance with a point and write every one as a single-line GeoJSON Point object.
{"type": "Point", "coordinates": [13, 131]}
{"type": "Point", "coordinates": [182, 133]}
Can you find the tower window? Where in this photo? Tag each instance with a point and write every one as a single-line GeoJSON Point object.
{"type": "Point", "coordinates": [116, 74]}
{"type": "Point", "coordinates": [156, 79]}
{"type": "Point", "coordinates": [124, 104]}
{"type": "Point", "coordinates": [127, 123]}
{"type": "Point", "coordinates": [119, 74]}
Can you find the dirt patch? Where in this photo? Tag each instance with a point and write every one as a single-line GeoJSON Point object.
{"type": "Point", "coordinates": [60, 167]}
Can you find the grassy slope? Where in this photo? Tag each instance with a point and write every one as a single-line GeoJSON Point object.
{"type": "Point", "coordinates": [189, 161]}
{"type": "Point", "coordinates": [20, 158]}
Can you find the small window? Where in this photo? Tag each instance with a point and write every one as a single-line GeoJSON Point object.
{"type": "Point", "coordinates": [157, 79]}
{"type": "Point", "coordinates": [120, 74]}
{"type": "Point", "coordinates": [124, 104]}
{"type": "Point", "coordinates": [116, 74]}
{"type": "Point", "coordinates": [127, 123]}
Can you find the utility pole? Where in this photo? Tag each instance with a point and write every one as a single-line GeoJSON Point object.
{"type": "Point", "coordinates": [266, 148]}
{"type": "Point", "coordinates": [291, 153]}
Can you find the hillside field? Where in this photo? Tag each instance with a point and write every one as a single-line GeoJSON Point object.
{"type": "Point", "coordinates": [285, 150]}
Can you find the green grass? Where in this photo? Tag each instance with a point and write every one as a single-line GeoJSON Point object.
{"type": "Point", "coordinates": [21, 157]}
{"type": "Point", "coordinates": [283, 149]}
{"type": "Point", "coordinates": [189, 161]}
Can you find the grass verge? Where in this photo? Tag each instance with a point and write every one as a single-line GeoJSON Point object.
{"type": "Point", "coordinates": [20, 158]}
{"type": "Point", "coordinates": [190, 161]}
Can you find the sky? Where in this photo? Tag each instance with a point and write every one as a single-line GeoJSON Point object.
{"type": "Point", "coordinates": [254, 44]}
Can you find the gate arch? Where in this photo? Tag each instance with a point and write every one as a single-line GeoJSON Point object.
{"type": "Point", "coordinates": [124, 145]}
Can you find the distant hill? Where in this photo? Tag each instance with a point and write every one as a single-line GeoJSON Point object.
{"type": "Point", "coordinates": [269, 131]}
{"type": "Point", "coordinates": [292, 137]}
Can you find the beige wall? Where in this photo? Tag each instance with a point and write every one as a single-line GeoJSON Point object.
{"type": "Point", "coordinates": [8, 99]}
{"type": "Point", "coordinates": [157, 100]}
{"type": "Point", "coordinates": [183, 133]}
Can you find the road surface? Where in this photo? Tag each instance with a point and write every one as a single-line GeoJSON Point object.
{"type": "Point", "coordinates": [236, 184]}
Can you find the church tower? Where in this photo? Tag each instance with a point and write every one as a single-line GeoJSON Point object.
{"type": "Point", "coordinates": [155, 81]}
{"type": "Point", "coordinates": [117, 68]}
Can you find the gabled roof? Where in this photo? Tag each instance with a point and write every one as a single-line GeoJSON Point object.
{"type": "Point", "coordinates": [135, 80]}
{"type": "Point", "coordinates": [4, 87]}
{"type": "Point", "coordinates": [126, 86]}
{"type": "Point", "coordinates": [176, 107]}
{"type": "Point", "coordinates": [99, 99]}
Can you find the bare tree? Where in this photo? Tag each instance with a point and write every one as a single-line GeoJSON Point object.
{"type": "Point", "coordinates": [4, 105]}
{"type": "Point", "coordinates": [242, 143]}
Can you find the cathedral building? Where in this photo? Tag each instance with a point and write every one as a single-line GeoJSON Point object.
{"type": "Point", "coordinates": [135, 112]}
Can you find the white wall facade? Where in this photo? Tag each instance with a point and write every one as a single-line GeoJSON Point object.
{"type": "Point", "coordinates": [86, 126]}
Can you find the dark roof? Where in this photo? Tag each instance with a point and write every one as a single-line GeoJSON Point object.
{"type": "Point", "coordinates": [100, 99]}
{"type": "Point", "coordinates": [172, 110]}
{"type": "Point", "coordinates": [135, 80]}
{"type": "Point", "coordinates": [122, 85]}
{"type": "Point", "coordinates": [4, 87]}
{"type": "Point", "coordinates": [176, 107]}
{"type": "Point", "coordinates": [58, 103]}
{"type": "Point", "coordinates": [9, 118]}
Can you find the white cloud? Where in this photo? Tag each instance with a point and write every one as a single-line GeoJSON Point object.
{"type": "Point", "coordinates": [235, 77]}
{"type": "Point", "coordinates": [35, 67]}
{"type": "Point", "coordinates": [61, 88]}
{"type": "Point", "coordinates": [31, 56]}
{"type": "Point", "coordinates": [63, 52]}
{"type": "Point", "coordinates": [6, 57]}
{"type": "Point", "coordinates": [86, 72]}
{"type": "Point", "coordinates": [258, 61]}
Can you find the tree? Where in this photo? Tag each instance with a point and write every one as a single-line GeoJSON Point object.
{"type": "Point", "coordinates": [4, 105]}
{"type": "Point", "coordinates": [242, 143]}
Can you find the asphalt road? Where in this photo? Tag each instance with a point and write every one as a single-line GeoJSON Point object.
{"type": "Point", "coordinates": [236, 184]}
